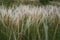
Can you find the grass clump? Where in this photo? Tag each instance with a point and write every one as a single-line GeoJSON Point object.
{"type": "Point", "coordinates": [27, 22]}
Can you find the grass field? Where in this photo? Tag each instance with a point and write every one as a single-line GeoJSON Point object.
{"type": "Point", "coordinates": [29, 22]}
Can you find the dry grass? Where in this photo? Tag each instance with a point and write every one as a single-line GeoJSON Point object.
{"type": "Point", "coordinates": [26, 22]}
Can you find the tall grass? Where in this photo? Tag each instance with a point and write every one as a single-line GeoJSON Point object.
{"type": "Point", "coordinates": [26, 22]}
